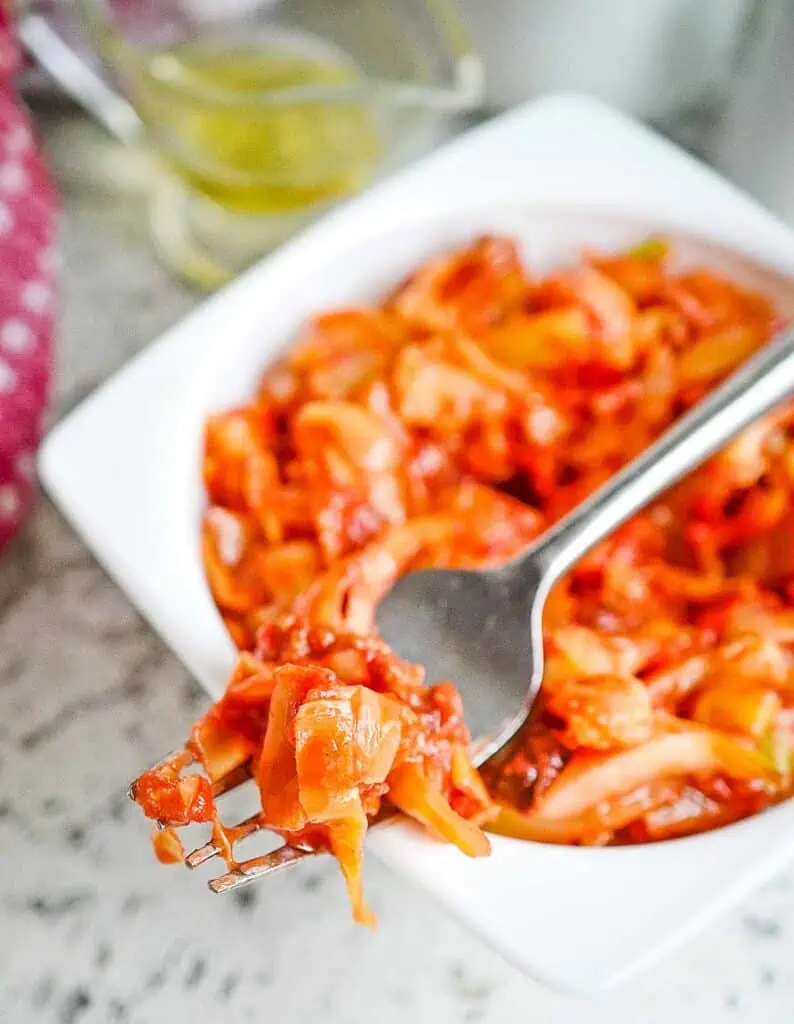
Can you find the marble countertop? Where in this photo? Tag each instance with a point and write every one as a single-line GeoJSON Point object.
{"type": "Point", "coordinates": [93, 930]}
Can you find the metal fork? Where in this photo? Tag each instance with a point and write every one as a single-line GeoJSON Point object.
{"type": "Point", "coordinates": [482, 629]}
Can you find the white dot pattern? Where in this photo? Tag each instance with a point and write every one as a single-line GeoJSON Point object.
{"type": "Point", "coordinates": [16, 336]}
{"type": "Point", "coordinates": [9, 501]}
{"type": "Point", "coordinates": [49, 261]}
{"type": "Point", "coordinates": [17, 140]}
{"type": "Point", "coordinates": [8, 378]}
{"type": "Point", "coordinates": [36, 296]}
{"type": "Point", "coordinates": [26, 465]}
{"type": "Point", "coordinates": [28, 210]}
{"type": "Point", "coordinates": [13, 179]}
{"type": "Point", "coordinates": [6, 219]}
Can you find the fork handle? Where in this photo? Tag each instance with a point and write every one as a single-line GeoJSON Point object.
{"type": "Point", "coordinates": [762, 382]}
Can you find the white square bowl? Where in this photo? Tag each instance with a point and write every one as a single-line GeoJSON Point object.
{"type": "Point", "coordinates": [559, 174]}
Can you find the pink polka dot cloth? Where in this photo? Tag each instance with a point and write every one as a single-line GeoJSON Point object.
{"type": "Point", "coordinates": [27, 296]}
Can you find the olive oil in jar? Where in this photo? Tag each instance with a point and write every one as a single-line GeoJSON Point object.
{"type": "Point", "coordinates": [267, 126]}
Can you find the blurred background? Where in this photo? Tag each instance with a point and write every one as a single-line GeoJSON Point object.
{"type": "Point", "coordinates": [240, 120]}
{"type": "Point", "coordinates": [176, 141]}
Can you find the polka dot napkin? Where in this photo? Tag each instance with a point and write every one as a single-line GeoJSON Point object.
{"type": "Point", "coordinates": [27, 300]}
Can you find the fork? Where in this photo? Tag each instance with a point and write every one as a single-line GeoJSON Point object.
{"type": "Point", "coordinates": [482, 628]}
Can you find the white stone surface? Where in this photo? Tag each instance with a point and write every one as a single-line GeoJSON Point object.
{"type": "Point", "coordinates": [93, 930]}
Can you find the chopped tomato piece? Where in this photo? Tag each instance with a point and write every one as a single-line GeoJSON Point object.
{"type": "Point", "coordinates": [603, 712]}
{"type": "Point", "coordinates": [750, 710]}
{"type": "Point", "coordinates": [173, 799]}
{"type": "Point", "coordinates": [167, 845]}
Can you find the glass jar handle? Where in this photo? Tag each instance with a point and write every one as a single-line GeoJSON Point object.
{"type": "Point", "coordinates": [76, 75]}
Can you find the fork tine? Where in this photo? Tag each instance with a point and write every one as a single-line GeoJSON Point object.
{"type": "Point", "coordinates": [164, 762]}
{"type": "Point", "coordinates": [247, 872]}
{"type": "Point", "coordinates": [210, 849]}
{"type": "Point", "coordinates": [181, 754]}
{"type": "Point", "coordinates": [250, 870]}
{"type": "Point", "coordinates": [236, 777]}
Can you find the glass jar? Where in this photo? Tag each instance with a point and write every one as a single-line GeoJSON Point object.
{"type": "Point", "coordinates": [263, 113]}
{"type": "Point", "coordinates": [755, 143]}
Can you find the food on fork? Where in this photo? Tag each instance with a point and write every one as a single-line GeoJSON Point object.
{"type": "Point", "coordinates": [332, 723]}
{"type": "Point", "coordinates": [448, 427]}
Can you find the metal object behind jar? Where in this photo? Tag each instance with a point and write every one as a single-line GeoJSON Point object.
{"type": "Point", "coordinates": [652, 58]}
{"type": "Point", "coordinates": [755, 146]}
